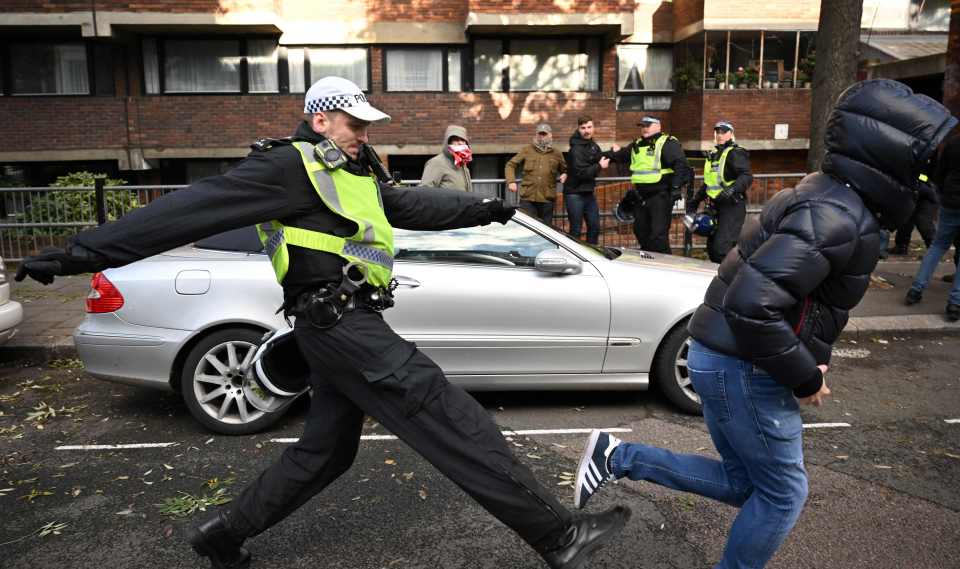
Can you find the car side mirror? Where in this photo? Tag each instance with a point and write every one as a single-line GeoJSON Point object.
{"type": "Point", "coordinates": [556, 261]}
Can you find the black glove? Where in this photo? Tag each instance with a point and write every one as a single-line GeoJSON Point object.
{"type": "Point", "coordinates": [675, 194]}
{"type": "Point", "coordinates": [728, 197]}
{"type": "Point", "coordinates": [499, 211]}
{"type": "Point", "coordinates": [630, 200]}
{"type": "Point", "coordinates": [53, 261]}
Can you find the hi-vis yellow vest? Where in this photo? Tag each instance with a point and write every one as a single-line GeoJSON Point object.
{"type": "Point", "coordinates": [356, 198]}
{"type": "Point", "coordinates": [645, 162]}
{"type": "Point", "coordinates": [713, 174]}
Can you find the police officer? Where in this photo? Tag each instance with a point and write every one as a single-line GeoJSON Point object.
{"type": "Point", "coordinates": [658, 171]}
{"type": "Point", "coordinates": [726, 179]}
{"type": "Point", "coordinates": [320, 210]}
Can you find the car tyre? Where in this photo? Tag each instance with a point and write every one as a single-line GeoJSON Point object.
{"type": "Point", "coordinates": [671, 374]}
{"type": "Point", "coordinates": [212, 378]}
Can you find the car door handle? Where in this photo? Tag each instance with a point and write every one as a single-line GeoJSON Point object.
{"type": "Point", "coordinates": [407, 281]}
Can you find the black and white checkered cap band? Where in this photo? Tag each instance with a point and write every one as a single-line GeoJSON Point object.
{"type": "Point", "coordinates": [335, 102]}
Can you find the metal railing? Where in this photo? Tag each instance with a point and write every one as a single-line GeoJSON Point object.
{"type": "Point", "coordinates": [34, 218]}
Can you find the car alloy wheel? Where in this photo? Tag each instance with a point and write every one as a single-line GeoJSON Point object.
{"type": "Point", "coordinates": [671, 374]}
{"type": "Point", "coordinates": [212, 382]}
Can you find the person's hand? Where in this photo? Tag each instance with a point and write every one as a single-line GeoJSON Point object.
{"type": "Point", "coordinates": [819, 397]}
{"type": "Point", "coordinates": [53, 262]}
{"type": "Point", "coordinates": [615, 148]}
{"type": "Point", "coordinates": [728, 196]}
{"type": "Point", "coordinates": [499, 211]}
{"type": "Point", "coordinates": [604, 162]}
{"type": "Point", "coordinates": [563, 178]}
{"type": "Point", "coordinates": [675, 194]}
{"type": "Point", "coordinates": [512, 186]}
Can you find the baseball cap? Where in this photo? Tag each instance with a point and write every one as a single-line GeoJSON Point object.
{"type": "Point", "coordinates": [339, 94]}
{"type": "Point", "coordinates": [544, 127]}
{"type": "Point", "coordinates": [649, 120]}
{"type": "Point", "coordinates": [721, 125]}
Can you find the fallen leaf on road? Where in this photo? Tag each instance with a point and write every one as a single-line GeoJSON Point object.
{"type": "Point", "coordinates": [423, 493]}
{"type": "Point", "coordinates": [533, 456]}
{"type": "Point", "coordinates": [882, 466]}
{"type": "Point", "coordinates": [390, 461]}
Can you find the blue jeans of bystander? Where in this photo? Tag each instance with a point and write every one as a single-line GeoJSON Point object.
{"type": "Point", "coordinates": [756, 427]}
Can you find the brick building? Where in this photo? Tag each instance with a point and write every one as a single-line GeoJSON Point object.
{"type": "Point", "coordinates": [172, 90]}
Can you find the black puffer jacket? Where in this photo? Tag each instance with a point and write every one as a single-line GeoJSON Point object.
{"type": "Point", "coordinates": [783, 300]}
{"type": "Point", "coordinates": [583, 165]}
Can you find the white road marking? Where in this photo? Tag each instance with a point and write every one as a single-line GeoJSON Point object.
{"type": "Point", "coordinates": [115, 447]}
{"type": "Point", "coordinates": [825, 425]}
{"type": "Point", "coordinates": [505, 433]}
{"type": "Point", "coordinates": [852, 353]}
{"type": "Point", "coordinates": [951, 420]}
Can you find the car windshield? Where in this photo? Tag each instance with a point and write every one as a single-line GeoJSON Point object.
{"type": "Point", "coordinates": [511, 244]}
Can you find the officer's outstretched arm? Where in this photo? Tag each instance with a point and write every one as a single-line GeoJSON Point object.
{"type": "Point", "coordinates": [248, 194]}
{"type": "Point", "coordinates": [436, 209]}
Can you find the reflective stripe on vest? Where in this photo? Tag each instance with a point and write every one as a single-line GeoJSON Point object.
{"type": "Point", "coordinates": [645, 162]}
{"type": "Point", "coordinates": [713, 174]}
{"type": "Point", "coordinates": [356, 198]}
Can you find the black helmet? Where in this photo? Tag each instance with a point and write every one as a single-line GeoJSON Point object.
{"type": "Point", "coordinates": [622, 214]}
{"type": "Point", "coordinates": [279, 372]}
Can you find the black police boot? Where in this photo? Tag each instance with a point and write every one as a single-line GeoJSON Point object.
{"type": "Point", "coordinates": [953, 312]}
{"type": "Point", "coordinates": [214, 539]}
{"type": "Point", "coordinates": [585, 535]}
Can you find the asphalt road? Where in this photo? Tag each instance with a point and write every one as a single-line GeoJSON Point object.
{"type": "Point", "coordinates": [883, 489]}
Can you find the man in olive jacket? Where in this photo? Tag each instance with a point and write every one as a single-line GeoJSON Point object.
{"type": "Point", "coordinates": [540, 165]}
{"type": "Point", "coordinates": [763, 336]}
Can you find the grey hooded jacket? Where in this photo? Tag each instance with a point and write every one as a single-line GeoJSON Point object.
{"type": "Point", "coordinates": [439, 171]}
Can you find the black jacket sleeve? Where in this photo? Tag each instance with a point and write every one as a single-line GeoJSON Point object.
{"type": "Point", "coordinates": [621, 156]}
{"type": "Point", "coordinates": [433, 208]}
{"type": "Point", "coordinates": [673, 157]}
{"type": "Point", "coordinates": [580, 167]}
{"type": "Point", "coordinates": [810, 242]}
{"type": "Point", "coordinates": [737, 168]}
{"type": "Point", "coordinates": [249, 193]}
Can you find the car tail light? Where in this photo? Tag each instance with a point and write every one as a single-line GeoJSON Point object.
{"type": "Point", "coordinates": [103, 297]}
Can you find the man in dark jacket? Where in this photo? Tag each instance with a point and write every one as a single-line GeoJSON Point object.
{"type": "Point", "coordinates": [948, 229]}
{"type": "Point", "coordinates": [359, 364]}
{"type": "Point", "coordinates": [763, 336]}
{"type": "Point", "coordinates": [658, 170]}
{"type": "Point", "coordinates": [726, 179]}
{"type": "Point", "coordinates": [585, 162]}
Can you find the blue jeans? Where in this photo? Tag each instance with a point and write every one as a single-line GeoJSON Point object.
{"type": "Point", "coordinates": [580, 206]}
{"type": "Point", "coordinates": [756, 427]}
{"type": "Point", "coordinates": [948, 228]}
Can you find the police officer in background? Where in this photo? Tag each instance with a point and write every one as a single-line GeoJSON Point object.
{"type": "Point", "coordinates": [658, 171]}
{"type": "Point", "coordinates": [726, 179]}
{"type": "Point", "coordinates": [316, 199]}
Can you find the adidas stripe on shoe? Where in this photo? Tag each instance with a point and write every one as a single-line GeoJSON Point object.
{"type": "Point", "coordinates": [593, 472]}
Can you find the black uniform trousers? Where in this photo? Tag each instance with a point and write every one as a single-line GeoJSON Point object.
{"type": "Point", "coordinates": [924, 218]}
{"type": "Point", "coordinates": [362, 366]}
{"type": "Point", "coordinates": [653, 213]}
{"type": "Point", "coordinates": [730, 218]}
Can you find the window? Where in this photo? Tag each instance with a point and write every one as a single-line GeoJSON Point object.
{"type": "Point", "coordinates": [202, 66]}
{"type": "Point", "coordinates": [510, 245]}
{"type": "Point", "coordinates": [644, 68]}
{"type": "Point", "coordinates": [420, 69]}
{"type": "Point", "coordinates": [48, 69]}
{"type": "Point", "coordinates": [223, 65]}
{"type": "Point", "coordinates": [350, 63]}
{"type": "Point", "coordinates": [536, 64]}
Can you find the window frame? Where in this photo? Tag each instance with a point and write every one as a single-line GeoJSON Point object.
{"type": "Point", "coordinates": [654, 92]}
{"type": "Point", "coordinates": [284, 73]}
{"type": "Point", "coordinates": [505, 51]}
{"type": "Point", "coordinates": [6, 65]}
{"type": "Point", "coordinates": [244, 67]}
{"type": "Point", "coordinates": [444, 60]}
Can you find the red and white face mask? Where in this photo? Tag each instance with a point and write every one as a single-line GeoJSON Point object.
{"type": "Point", "coordinates": [461, 154]}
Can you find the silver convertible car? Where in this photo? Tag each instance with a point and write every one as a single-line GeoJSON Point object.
{"type": "Point", "coordinates": [519, 306]}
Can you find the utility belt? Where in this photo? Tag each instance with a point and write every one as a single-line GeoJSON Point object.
{"type": "Point", "coordinates": [322, 307]}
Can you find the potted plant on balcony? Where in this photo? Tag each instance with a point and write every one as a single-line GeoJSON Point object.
{"type": "Point", "coordinates": [740, 78]}
{"type": "Point", "coordinates": [687, 77]}
{"type": "Point", "coordinates": [806, 67]}
{"type": "Point", "coordinates": [752, 78]}
{"type": "Point", "coordinates": [710, 82]}
{"type": "Point", "coordinates": [787, 81]}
